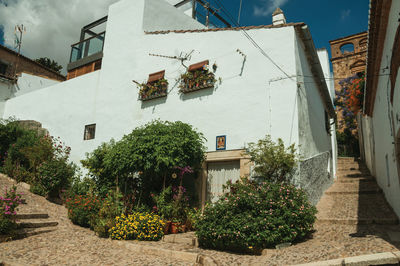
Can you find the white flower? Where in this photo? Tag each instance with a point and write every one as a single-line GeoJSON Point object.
{"type": "Point", "coordinates": [174, 175]}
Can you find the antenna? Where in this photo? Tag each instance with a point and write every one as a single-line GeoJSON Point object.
{"type": "Point", "coordinates": [182, 57]}
{"type": "Point", "coordinates": [18, 43]}
{"type": "Point", "coordinates": [240, 11]}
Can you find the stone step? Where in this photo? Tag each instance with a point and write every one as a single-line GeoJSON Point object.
{"type": "Point", "coordinates": [355, 207]}
{"type": "Point", "coordinates": [36, 224]}
{"type": "Point", "coordinates": [186, 238]}
{"type": "Point", "coordinates": [352, 167]}
{"type": "Point", "coordinates": [352, 172]}
{"type": "Point", "coordinates": [361, 178]}
{"type": "Point", "coordinates": [354, 188]}
{"type": "Point", "coordinates": [357, 221]}
{"type": "Point", "coordinates": [27, 232]}
{"type": "Point", "coordinates": [21, 216]}
{"type": "Point", "coordinates": [347, 159]}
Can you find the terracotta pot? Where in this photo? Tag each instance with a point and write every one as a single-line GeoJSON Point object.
{"type": "Point", "coordinates": [167, 227]}
{"type": "Point", "coordinates": [182, 228]}
{"type": "Point", "coordinates": [174, 228]}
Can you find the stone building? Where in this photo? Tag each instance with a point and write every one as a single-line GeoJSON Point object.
{"type": "Point", "coordinates": [348, 58]}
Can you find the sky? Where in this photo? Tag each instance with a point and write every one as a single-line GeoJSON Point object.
{"type": "Point", "coordinates": [53, 25]}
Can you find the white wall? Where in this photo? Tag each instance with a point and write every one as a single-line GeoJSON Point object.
{"type": "Point", "coordinates": [326, 68]}
{"type": "Point", "coordinates": [380, 153]}
{"type": "Point", "coordinates": [5, 93]}
{"type": "Point", "coordinates": [28, 83]}
{"type": "Point", "coordinates": [248, 104]}
{"type": "Point", "coordinates": [64, 109]}
{"type": "Point", "coordinates": [313, 137]}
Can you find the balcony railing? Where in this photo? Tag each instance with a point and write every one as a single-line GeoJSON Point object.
{"type": "Point", "coordinates": [87, 47]}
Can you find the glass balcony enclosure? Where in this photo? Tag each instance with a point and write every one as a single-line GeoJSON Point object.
{"type": "Point", "coordinates": [87, 47]}
{"type": "Point", "coordinates": [91, 40]}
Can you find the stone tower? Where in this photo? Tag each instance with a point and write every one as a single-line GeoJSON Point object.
{"type": "Point", "coordinates": [348, 58]}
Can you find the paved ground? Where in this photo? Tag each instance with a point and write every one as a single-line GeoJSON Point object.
{"type": "Point", "coordinates": [353, 199]}
{"type": "Point", "coordinates": [67, 244]}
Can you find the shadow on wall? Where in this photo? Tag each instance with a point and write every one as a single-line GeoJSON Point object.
{"type": "Point", "coordinates": [197, 94]}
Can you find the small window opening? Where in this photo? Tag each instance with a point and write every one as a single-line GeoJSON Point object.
{"type": "Point", "coordinates": [347, 48]}
{"type": "Point", "coordinates": [90, 131]}
{"type": "Point", "coordinates": [327, 124]}
{"type": "Point", "coordinates": [3, 68]}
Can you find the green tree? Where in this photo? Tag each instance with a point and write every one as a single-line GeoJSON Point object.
{"type": "Point", "coordinates": [49, 63]}
{"type": "Point", "coordinates": [144, 160]}
{"type": "Point", "coordinates": [273, 161]}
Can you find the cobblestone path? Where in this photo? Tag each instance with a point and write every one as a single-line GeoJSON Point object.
{"type": "Point", "coordinates": [67, 244]}
{"type": "Point", "coordinates": [354, 219]}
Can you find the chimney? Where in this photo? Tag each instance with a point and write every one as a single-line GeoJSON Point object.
{"type": "Point", "coordinates": [278, 17]}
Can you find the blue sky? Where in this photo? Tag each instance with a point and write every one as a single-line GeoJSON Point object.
{"type": "Point", "coordinates": [327, 19]}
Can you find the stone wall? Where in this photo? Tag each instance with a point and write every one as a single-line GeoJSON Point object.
{"type": "Point", "coordinates": [33, 125]}
{"type": "Point", "coordinates": [314, 176]}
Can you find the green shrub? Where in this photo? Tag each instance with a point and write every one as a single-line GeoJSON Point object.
{"type": "Point", "coordinates": [172, 204]}
{"type": "Point", "coordinates": [273, 161]}
{"type": "Point", "coordinates": [111, 207]}
{"type": "Point", "coordinates": [94, 162]}
{"type": "Point", "coordinates": [82, 209]}
{"type": "Point", "coordinates": [10, 131]}
{"type": "Point", "coordinates": [140, 226]}
{"type": "Point", "coordinates": [253, 216]}
{"type": "Point", "coordinates": [53, 176]}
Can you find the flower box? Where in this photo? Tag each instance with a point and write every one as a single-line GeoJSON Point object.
{"type": "Point", "coordinates": [154, 90]}
{"type": "Point", "coordinates": [197, 80]}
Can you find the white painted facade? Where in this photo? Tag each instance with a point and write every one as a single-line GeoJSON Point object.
{"type": "Point", "coordinates": [379, 131]}
{"type": "Point", "coordinates": [26, 83]}
{"type": "Point", "coordinates": [253, 99]}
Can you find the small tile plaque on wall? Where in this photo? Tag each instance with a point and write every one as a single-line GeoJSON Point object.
{"type": "Point", "coordinates": [221, 142]}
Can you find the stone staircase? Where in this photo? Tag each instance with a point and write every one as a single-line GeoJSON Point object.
{"type": "Point", "coordinates": [30, 224]}
{"type": "Point", "coordinates": [354, 198]}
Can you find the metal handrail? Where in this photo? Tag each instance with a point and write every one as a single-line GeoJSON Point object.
{"type": "Point", "coordinates": [88, 38]}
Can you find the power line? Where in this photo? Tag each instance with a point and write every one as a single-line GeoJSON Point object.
{"type": "Point", "coordinates": [250, 38]}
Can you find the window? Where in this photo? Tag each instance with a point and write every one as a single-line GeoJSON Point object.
{"type": "Point", "coordinates": [90, 131]}
{"type": "Point", "coordinates": [327, 124]}
{"type": "Point", "coordinates": [347, 48]}
{"type": "Point", "coordinates": [3, 68]}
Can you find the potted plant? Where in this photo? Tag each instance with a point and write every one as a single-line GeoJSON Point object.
{"type": "Point", "coordinates": [197, 79]}
{"type": "Point", "coordinates": [152, 90]}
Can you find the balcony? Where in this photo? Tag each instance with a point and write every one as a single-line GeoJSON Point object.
{"type": "Point", "coordinates": [86, 55]}
{"type": "Point", "coordinates": [87, 47]}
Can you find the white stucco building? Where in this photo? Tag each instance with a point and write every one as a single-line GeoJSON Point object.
{"type": "Point", "coordinates": [380, 124]}
{"type": "Point", "coordinates": [282, 93]}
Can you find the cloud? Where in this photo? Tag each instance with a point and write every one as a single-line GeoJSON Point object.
{"type": "Point", "coordinates": [51, 25]}
{"type": "Point", "coordinates": [267, 7]}
{"type": "Point", "coordinates": [344, 14]}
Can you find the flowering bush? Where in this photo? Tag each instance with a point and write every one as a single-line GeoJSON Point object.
{"type": "Point", "coordinates": [140, 226]}
{"type": "Point", "coordinates": [253, 216]}
{"type": "Point", "coordinates": [350, 99]}
{"type": "Point", "coordinates": [110, 208]}
{"type": "Point", "coordinates": [8, 207]}
{"type": "Point", "coordinates": [82, 208]}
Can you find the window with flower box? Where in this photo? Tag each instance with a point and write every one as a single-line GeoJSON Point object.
{"type": "Point", "coordinates": [197, 77]}
{"type": "Point", "coordinates": [155, 87]}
